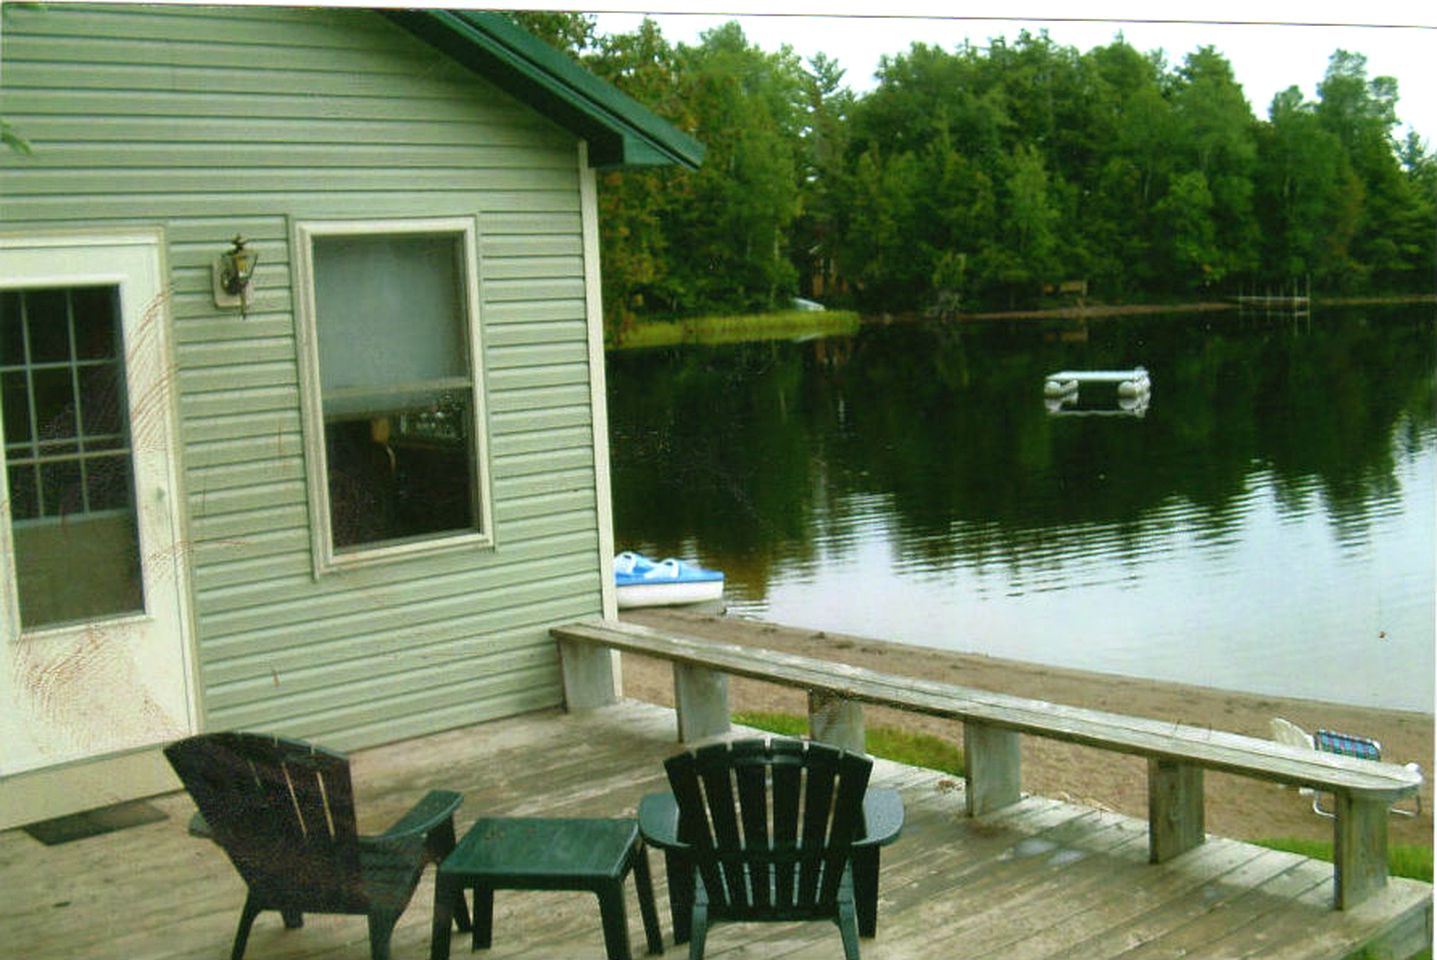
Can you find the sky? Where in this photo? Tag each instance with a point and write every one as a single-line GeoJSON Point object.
{"type": "Point", "coordinates": [1271, 44]}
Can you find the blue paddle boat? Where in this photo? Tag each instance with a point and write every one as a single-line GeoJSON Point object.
{"type": "Point", "coordinates": [643, 582]}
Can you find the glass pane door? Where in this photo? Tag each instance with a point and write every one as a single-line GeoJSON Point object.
{"type": "Point", "coordinates": [67, 455]}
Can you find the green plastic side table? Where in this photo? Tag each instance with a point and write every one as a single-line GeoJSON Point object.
{"type": "Point", "coordinates": [517, 853]}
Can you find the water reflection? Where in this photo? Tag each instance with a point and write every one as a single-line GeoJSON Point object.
{"type": "Point", "coordinates": [909, 482]}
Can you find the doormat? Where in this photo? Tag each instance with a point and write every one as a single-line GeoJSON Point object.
{"type": "Point", "coordinates": [92, 823]}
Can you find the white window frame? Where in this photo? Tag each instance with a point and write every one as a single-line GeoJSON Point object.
{"type": "Point", "coordinates": [326, 558]}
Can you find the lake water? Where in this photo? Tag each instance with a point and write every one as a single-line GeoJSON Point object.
{"type": "Point", "coordinates": [1267, 524]}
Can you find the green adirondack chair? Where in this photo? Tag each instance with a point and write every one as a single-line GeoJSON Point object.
{"type": "Point", "coordinates": [768, 828]}
{"type": "Point", "coordinates": [283, 811]}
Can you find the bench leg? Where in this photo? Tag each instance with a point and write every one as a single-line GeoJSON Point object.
{"type": "Point", "coordinates": [590, 675]}
{"type": "Point", "coordinates": [701, 702]}
{"type": "Point", "coordinates": [1359, 840]}
{"type": "Point", "coordinates": [1175, 809]}
{"type": "Point", "coordinates": [836, 721]}
{"type": "Point", "coordinates": [991, 767]}
{"type": "Point", "coordinates": [616, 921]}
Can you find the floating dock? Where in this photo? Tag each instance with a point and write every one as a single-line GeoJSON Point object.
{"type": "Point", "coordinates": [1133, 388]}
{"type": "Point", "coordinates": [1290, 300]}
{"type": "Point", "coordinates": [1289, 306]}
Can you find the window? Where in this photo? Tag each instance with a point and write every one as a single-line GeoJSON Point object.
{"type": "Point", "coordinates": [393, 398]}
{"type": "Point", "coordinates": [67, 455]}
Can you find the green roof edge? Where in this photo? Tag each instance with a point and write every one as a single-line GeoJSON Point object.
{"type": "Point", "coordinates": [621, 131]}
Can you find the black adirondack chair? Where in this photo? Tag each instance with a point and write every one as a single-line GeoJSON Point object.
{"type": "Point", "coordinates": [769, 827]}
{"type": "Point", "coordinates": [283, 811]}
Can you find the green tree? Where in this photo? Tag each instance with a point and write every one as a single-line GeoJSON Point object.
{"type": "Point", "coordinates": [1189, 243]}
{"type": "Point", "coordinates": [973, 176]}
{"type": "Point", "coordinates": [572, 33]}
{"type": "Point", "coordinates": [876, 253]}
{"type": "Point", "coordinates": [729, 240]}
{"type": "Point", "coordinates": [1312, 197]}
{"type": "Point", "coordinates": [634, 205]}
{"type": "Point", "coordinates": [823, 186]}
{"type": "Point", "coordinates": [1392, 243]}
{"type": "Point", "coordinates": [1420, 167]}
{"type": "Point", "coordinates": [1216, 132]}
{"type": "Point", "coordinates": [956, 210]}
{"type": "Point", "coordinates": [1021, 258]}
{"type": "Point", "coordinates": [1132, 158]}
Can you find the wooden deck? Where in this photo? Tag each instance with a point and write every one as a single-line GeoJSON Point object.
{"type": "Point", "coordinates": [1041, 879]}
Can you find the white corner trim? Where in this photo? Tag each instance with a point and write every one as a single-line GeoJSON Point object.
{"type": "Point", "coordinates": [598, 383]}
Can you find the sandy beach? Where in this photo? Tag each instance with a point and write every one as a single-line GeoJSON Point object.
{"type": "Point", "coordinates": [1236, 806]}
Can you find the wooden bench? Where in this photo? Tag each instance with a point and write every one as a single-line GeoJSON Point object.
{"type": "Point", "coordinates": [992, 724]}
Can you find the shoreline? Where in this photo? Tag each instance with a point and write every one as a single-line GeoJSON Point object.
{"type": "Point", "coordinates": [1098, 311]}
{"type": "Point", "coordinates": [786, 324]}
{"type": "Point", "coordinates": [1236, 807]}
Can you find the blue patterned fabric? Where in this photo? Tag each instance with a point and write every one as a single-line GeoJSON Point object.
{"type": "Point", "coordinates": [1348, 745]}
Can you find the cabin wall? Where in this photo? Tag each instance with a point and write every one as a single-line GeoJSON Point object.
{"type": "Point", "coordinates": [208, 122]}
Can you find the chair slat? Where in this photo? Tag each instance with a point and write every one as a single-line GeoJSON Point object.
{"type": "Point", "coordinates": [817, 811]}
{"type": "Point", "coordinates": [752, 779]}
{"type": "Point", "coordinates": [847, 823]}
{"type": "Point", "coordinates": [715, 771]}
{"type": "Point", "coordinates": [787, 795]}
{"type": "Point", "coordinates": [305, 777]}
{"type": "Point", "coordinates": [694, 826]}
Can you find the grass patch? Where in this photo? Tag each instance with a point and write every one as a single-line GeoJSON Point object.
{"type": "Point", "coordinates": [1403, 859]}
{"type": "Point", "coordinates": [890, 743]}
{"type": "Point", "coordinates": [783, 724]}
{"type": "Point", "coordinates": [1410, 860]}
{"type": "Point", "coordinates": [778, 325]}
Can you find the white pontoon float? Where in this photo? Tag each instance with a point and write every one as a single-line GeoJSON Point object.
{"type": "Point", "coordinates": [1133, 388]}
{"type": "Point", "coordinates": [1130, 383]}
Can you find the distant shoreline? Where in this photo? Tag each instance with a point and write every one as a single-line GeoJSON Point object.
{"type": "Point", "coordinates": [1101, 310]}
{"type": "Point", "coordinates": [791, 324]}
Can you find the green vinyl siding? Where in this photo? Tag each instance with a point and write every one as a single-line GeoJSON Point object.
{"type": "Point", "coordinates": [210, 122]}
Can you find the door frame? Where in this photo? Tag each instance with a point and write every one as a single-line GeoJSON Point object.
{"type": "Point", "coordinates": [162, 408]}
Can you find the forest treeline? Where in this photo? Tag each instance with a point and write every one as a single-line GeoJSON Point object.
{"type": "Point", "coordinates": [969, 178]}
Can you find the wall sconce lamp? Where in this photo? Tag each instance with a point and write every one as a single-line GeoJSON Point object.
{"type": "Point", "coordinates": [233, 275]}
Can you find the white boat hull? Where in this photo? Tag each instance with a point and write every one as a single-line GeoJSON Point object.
{"type": "Point", "coordinates": [668, 594]}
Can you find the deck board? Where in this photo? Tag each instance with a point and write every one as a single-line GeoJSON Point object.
{"type": "Point", "coordinates": [1040, 880]}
